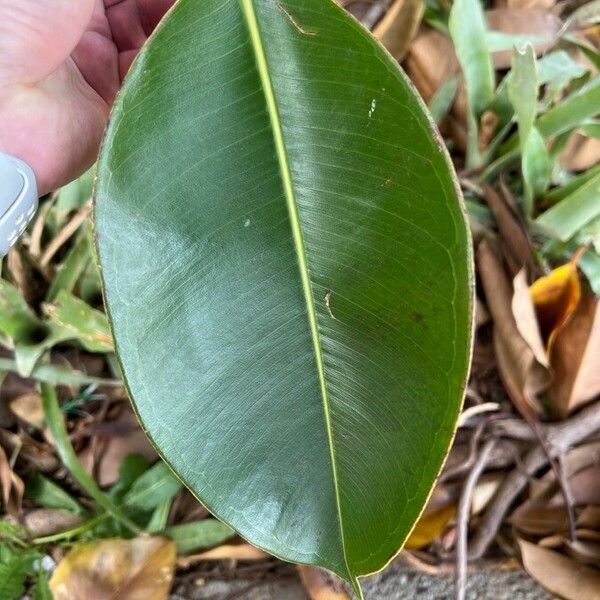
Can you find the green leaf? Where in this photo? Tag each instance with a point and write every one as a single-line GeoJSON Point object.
{"type": "Point", "coordinates": [132, 467]}
{"type": "Point", "coordinates": [288, 274]}
{"type": "Point", "coordinates": [74, 195]}
{"type": "Point", "coordinates": [160, 516]}
{"type": "Point", "coordinates": [590, 265]}
{"type": "Point", "coordinates": [27, 355]}
{"type": "Point", "coordinates": [17, 320]}
{"type": "Point", "coordinates": [42, 588]}
{"type": "Point", "coordinates": [572, 111]}
{"type": "Point", "coordinates": [441, 103]}
{"type": "Point", "coordinates": [575, 211]}
{"type": "Point", "coordinates": [154, 487]}
{"type": "Point", "coordinates": [66, 453]}
{"type": "Point", "coordinates": [45, 492]}
{"type": "Point", "coordinates": [469, 33]}
{"type": "Point", "coordinates": [559, 193]}
{"type": "Point", "coordinates": [85, 324]}
{"type": "Point", "coordinates": [13, 572]}
{"type": "Point", "coordinates": [207, 533]}
{"type": "Point", "coordinates": [79, 256]}
{"type": "Point", "coordinates": [523, 93]}
{"type": "Point", "coordinates": [58, 375]}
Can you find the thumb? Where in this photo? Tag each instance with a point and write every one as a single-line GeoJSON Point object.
{"type": "Point", "coordinates": [37, 36]}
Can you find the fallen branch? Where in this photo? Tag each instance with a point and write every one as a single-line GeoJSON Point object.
{"type": "Point", "coordinates": [559, 438]}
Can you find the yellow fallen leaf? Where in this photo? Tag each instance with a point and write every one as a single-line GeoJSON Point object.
{"type": "Point", "coordinates": [555, 297]}
{"type": "Point", "coordinates": [137, 569]}
{"type": "Point", "coordinates": [429, 527]}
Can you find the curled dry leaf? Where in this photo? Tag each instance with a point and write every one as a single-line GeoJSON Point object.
{"type": "Point", "coordinates": [399, 25]}
{"type": "Point", "coordinates": [540, 27]}
{"type": "Point", "coordinates": [525, 3]}
{"type": "Point", "coordinates": [555, 297]}
{"type": "Point", "coordinates": [11, 485]}
{"type": "Point", "coordinates": [524, 376]}
{"type": "Point", "coordinates": [540, 519]}
{"type": "Point", "coordinates": [560, 574]}
{"type": "Point", "coordinates": [28, 408]}
{"type": "Point", "coordinates": [580, 153]}
{"type": "Point", "coordinates": [430, 62]}
{"type": "Point", "coordinates": [118, 439]}
{"type": "Point", "coordinates": [516, 246]}
{"type": "Point", "coordinates": [48, 521]}
{"type": "Point", "coordinates": [137, 569]}
{"type": "Point", "coordinates": [574, 357]}
{"type": "Point", "coordinates": [526, 319]}
{"type": "Point", "coordinates": [321, 585]}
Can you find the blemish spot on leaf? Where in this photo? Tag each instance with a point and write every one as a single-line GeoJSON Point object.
{"type": "Point", "coordinates": [294, 22]}
{"type": "Point", "coordinates": [373, 107]}
{"type": "Point", "coordinates": [247, 223]}
{"type": "Point", "coordinates": [328, 303]}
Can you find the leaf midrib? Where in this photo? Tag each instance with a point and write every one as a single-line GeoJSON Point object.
{"type": "Point", "coordinates": [272, 107]}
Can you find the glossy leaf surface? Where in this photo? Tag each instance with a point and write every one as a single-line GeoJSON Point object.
{"type": "Point", "coordinates": [287, 271]}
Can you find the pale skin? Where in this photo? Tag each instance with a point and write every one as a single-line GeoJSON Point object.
{"type": "Point", "coordinates": [61, 64]}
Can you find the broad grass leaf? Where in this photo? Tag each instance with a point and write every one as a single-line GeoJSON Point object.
{"type": "Point", "coordinates": [196, 535]}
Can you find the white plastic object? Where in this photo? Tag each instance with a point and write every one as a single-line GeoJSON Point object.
{"type": "Point", "coordinates": [18, 200]}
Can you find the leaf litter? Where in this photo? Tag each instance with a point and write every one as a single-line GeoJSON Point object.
{"type": "Point", "coordinates": [534, 388]}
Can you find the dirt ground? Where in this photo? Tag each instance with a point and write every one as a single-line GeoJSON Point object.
{"type": "Point", "coordinates": [395, 583]}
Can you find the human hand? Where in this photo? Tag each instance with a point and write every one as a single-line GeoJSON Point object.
{"type": "Point", "coordinates": [61, 64]}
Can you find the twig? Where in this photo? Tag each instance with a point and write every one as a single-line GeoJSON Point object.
{"type": "Point", "coordinates": [559, 438]}
{"type": "Point", "coordinates": [469, 461]}
{"type": "Point", "coordinates": [64, 234]}
{"type": "Point", "coordinates": [464, 508]}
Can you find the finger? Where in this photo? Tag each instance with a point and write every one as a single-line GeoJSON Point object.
{"type": "Point", "coordinates": [153, 11]}
{"type": "Point", "coordinates": [37, 36]}
{"type": "Point", "coordinates": [97, 58]}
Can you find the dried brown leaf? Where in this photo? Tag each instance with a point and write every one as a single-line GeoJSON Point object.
{"type": "Point", "coordinates": [580, 153]}
{"type": "Point", "coordinates": [526, 319]}
{"type": "Point", "coordinates": [523, 21]}
{"type": "Point", "coordinates": [516, 246]}
{"type": "Point", "coordinates": [12, 486]}
{"type": "Point", "coordinates": [574, 358]}
{"type": "Point", "coordinates": [430, 61]}
{"type": "Point", "coordinates": [29, 409]}
{"type": "Point", "coordinates": [560, 574]}
{"type": "Point", "coordinates": [523, 375]}
{"type": "Point", "coordinates": [584, 552]}
{"type": "Point", "coordinates": [224, 552]}
{"type": "Point", "coordinates": [321, 585]}
{"type": "Point", "coordinates": [137, 569]}
{"type": "Point", "coordinates": [540, 519]}
{"type": "Point", "coordinates": [117, 439]}
{"type": "Point", "coordinates": [399, 26]}
{"type": "Point", "coordinates": [48, 521]}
